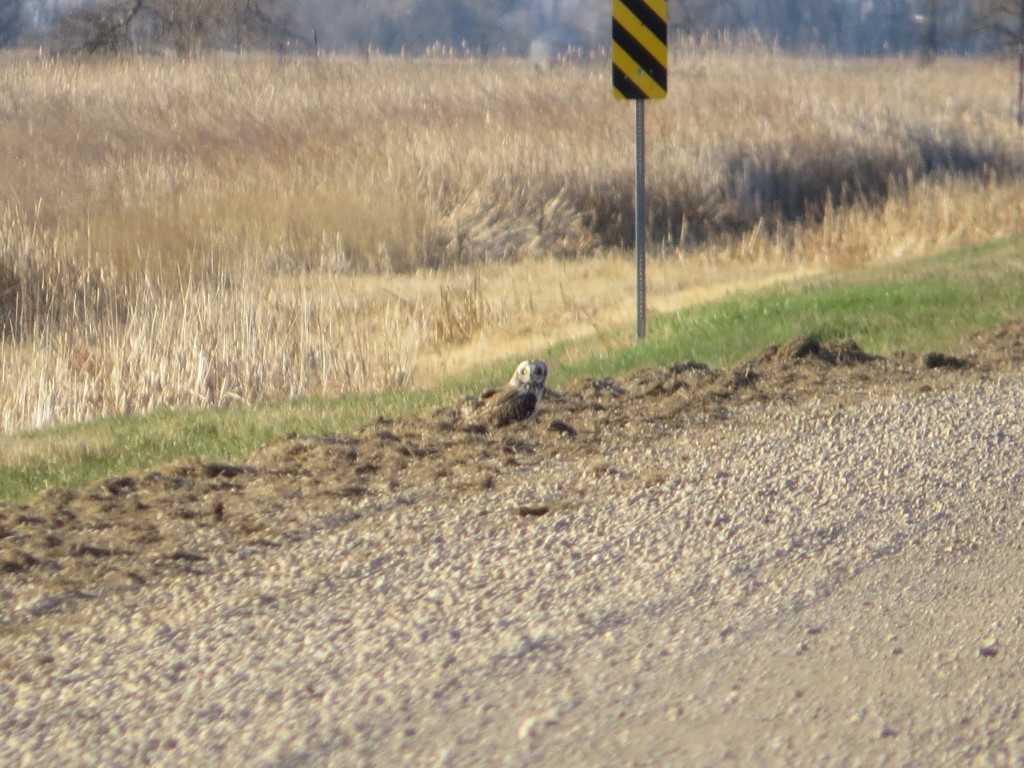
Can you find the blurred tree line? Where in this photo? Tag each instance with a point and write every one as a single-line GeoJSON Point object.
{"type": "Point", "coordinates": [183, 26]}
{"type": "Point", "coordinates": [854, 27]}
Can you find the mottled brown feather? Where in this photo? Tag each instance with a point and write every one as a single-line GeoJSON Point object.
{"type": "Point", "coordinates": [510, 407]}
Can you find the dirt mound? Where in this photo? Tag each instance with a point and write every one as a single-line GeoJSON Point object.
{"type": "Point", "coordinates": [1001, 348]}
{"type": "Point", "coordinates": [843, 352]}
{"type": "Point", "coordinates": [124, 532]}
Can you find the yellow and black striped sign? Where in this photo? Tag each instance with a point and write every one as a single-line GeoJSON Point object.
{"type": "Point", "coordinates": [640, 48]}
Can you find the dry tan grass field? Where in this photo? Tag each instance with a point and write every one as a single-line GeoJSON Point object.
{"type": "Point", "coordinates": [224, 229]}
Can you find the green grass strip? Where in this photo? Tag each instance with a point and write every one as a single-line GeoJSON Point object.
{"type": "Point", "coordinates": [919, 306]}
{"type": "Point", "coordinates": [924, 305]}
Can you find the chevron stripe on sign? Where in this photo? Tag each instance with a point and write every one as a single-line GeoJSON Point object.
{"type": "Point", "coordinates": [640, 48]}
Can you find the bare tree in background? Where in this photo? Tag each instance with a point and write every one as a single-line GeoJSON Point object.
{"type": "Point", "coordinates": [1002, 19]}
{"type": "Point", "coordinates": [197, 24]}
{"type": "Point", "coordinates": [185, 26]}
{"type": "Point", "coordinates": [99, 28]}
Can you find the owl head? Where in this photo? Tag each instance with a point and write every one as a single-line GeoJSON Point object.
{"type": "Point", "coordinates": [530, 375]}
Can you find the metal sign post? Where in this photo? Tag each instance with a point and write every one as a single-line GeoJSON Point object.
{"type": "Point", "coordinates": [640, 72]}
{"type": "Point", "coordinates": [1020, 67]}
{"type": "Point", "coordinates": [640, 228]}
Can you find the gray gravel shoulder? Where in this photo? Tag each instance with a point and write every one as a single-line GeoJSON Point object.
{"type": "Point", "coordinates": [823, 584]}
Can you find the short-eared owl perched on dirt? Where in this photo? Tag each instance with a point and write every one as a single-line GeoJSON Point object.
{"type": "Point", "coordinates": [516, 401]}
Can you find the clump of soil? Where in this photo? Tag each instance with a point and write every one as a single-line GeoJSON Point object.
{"type": "Point", "coordinates": [125, 532]}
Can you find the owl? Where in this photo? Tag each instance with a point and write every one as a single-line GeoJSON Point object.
{"type": "Point", "coordinates": [516, 401]}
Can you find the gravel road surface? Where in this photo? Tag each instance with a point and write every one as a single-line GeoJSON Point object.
{"type": "Point", "coordinates": [828, 578]}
